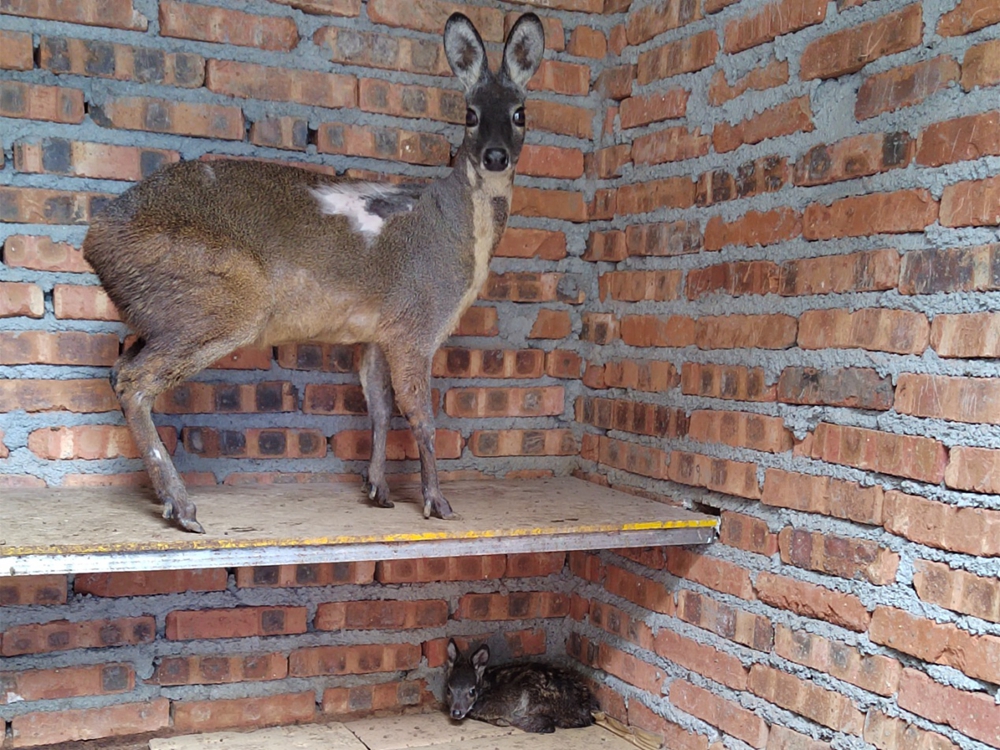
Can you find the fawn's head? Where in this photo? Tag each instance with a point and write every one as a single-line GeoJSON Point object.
{"type": "Point", "coordinates": [465, 675]}
{"type": "Point", "coordinates": [494, 120]}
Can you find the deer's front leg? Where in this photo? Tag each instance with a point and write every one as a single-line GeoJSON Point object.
{"type": "Point", "coordinates": [377, 386]}
{"type": "Point", "coordinates": [411, 380]}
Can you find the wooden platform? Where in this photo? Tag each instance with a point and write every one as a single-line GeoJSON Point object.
{"type": "Point", "coordinates": [116, 529]}
{"type": "Point", "coordinates": [430, 731]}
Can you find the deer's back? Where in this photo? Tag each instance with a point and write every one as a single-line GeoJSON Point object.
{"type": "Point", "coordinates": [523, 690]}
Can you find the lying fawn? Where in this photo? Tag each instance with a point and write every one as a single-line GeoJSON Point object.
{"type": "Point", "coordinates": [201, 258]}
{"type": "Point", "coordinates": [532, 697]}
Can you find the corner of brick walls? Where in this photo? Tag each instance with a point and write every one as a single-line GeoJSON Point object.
{"type": "Point", "coordinates": [796, 330]}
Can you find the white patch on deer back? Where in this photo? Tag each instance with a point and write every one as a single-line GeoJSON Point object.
{"type": "Point", "coordinates": [353, 200]}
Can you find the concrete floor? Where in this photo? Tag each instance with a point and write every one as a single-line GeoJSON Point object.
{"type": "Point", "coordinates": [433, 731]}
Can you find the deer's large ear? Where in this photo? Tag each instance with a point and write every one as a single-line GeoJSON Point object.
{"type": "Point", "coordinates": [480, 658]}
{"type": "Point", "coordinates": [452, 653]}
{"type": "Point", "coordinates": [464, 49]}
{"type": "Point", "coordinates": [524, 49]}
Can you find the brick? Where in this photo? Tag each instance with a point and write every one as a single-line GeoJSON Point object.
{"type": "Point", "coordinates": [522, 286]}
{"type": "Point", "coordinates": [218, 670]}
{"type": "Point", "coordinates": [853, 157]}
{"type": "Point", "coordinates": [238, 622]}
{"type": "Point", "coordinates": [652, 20]}
{"type": "Point", "coordinates": [360, 659]}
{"type": "Point", "coordinates": [961, 139]}
{"type": "Point", "coordinates": [905, 86]}
{"type": "Point", "coordinates": [725, 382]}
{"type": "Point", "coordinates": [875, 673]}
{"type": "Point", "coordinates": [965, 204]}
{"type": "Point", "coordinates": [206, 398]}
{"type": "Point", "coordinates": [318, 356]}
{"type": "Point", "coordinates": [811, 600]}
{"type": "Point", "coordinates": [619, 664]}
{"type": "Point", "coordinates": [33, 102]}
{"type": "Point", "coordinates": [735, 279]}
{"type": "Point", "coordinates": [636, 286]}
{"type": "Point", "coordinates": [873, 329]}
{"type": "Point", "coordinates": [281, 132]}
{"type": "Point", "coordinates": [393, 144]}
{"type": "Point", "coordinates": [685, 55]}
{"type": "Point", "coordinates": [16, 51]}
{"type": "Point", "coordinates": [361, 700]}
{"type": "Point", "coordinates": [431, 17]}
{"type": "Point", "coordinates": [68, 682]}
{"type": "Point", "coordinates": [506, 402]}
{"type": "Point", "coordinates": [856, 559]}
{"type": "Point", "coordinates": [636, 111]}
{"type": "Point", "coordinates": [21, 299]}
{"type": "Point", "coordinates": [62, 635]}
{"type": "Point", "coordinates": [981, 65]}
{"type": "Point", "coordinates": [952, 270]}
{"type": "Point", "coordinates": [849, 50]}
{"type": "Point", "coordinates": [773, 20]}
{"type": "Point", "coordinates": [77, 395]}
{"type": "Point", "coordinates": [562, 363]}
{"type": "Point", "coordinates": [387, 51]}
{"type": "Point", "coordinates": [555, 34]}
{"type": "Point", "coordinates": [20, 480]}
{"type": "Point", "coordinates": [957, 590]}
{"type": "Point", "coordinates": [607, 163]}
{"type": "Point", "coordinates": [789, 117]}
{"type": "Point", "coordinates": [711, 572]}
{"type": "Point", "coordinates": [637, 459]}
{"type": "Point", "coordinates": [670, 144]}
{"type": "Point", "coordinates": [920, 458]}
{"type": "Point", "coordinates": [165, 116]}
{"type": "Point", "coordinates": [222, 26]}
{"type": "Point", "coordinates": [658, 330]}
{"type": "Point", "coordinates": [721, 475]}
{"type": "Point", "coordinates": [49, 727]}
{"type": "Point", "coordinates": [938, 643]}
{"type": "Point", "coordinates": [491, 363]}
{"type": "Point", "coordinates": [729, 717]}
{"type": "Point", "coordinates": [824, 495]}
{"type": "Point", "coordinates": [394, 615]}
{"type": "Point", "coordinates": [753, 228]}
{"type": "Point", "coordinates": [492, 443]}
{"type": "Point", "coordinates": [518, 242]}
{"type": "Point", "coordinates": [274, 443]}
{"type": "Point", "coordinates": [671, 192]}
{"type": "Point", "coordinates": [970, 531]}
{"type": "Point", "coordinates": [83, 303]}
{"type": "Point", "coordinates": [740, 626]}
{"type": "Point", "coordinates": [150, 583]}
{"type": "Point", "coordinates": [973, 469]}
{"type": "Point", "coordinates": [317, 574]}
{"type": "Point", "coordinates": [355, 445]}
{"type": "Point", "coordinates": [606, 246]}
{"type": "Point", "coordinates": [272, 710]}
{"type": "Point", "coordinates": [674, 735]}
{"type": "Point", "coordinates": [567, 205]}
{"type": "Point", "coordinates": [598, 328]}
{"type": "Point", "coordinates": [663, 239]}
{"type": "Point", "coordinates": [123, 62]}
{"type": "Point", "coordinates": [431, 569]}
{"type": "Point", "coordinates": [531, 564]}
{"type": "Point", "coordinates": [705, 660]}
{"type": "Point", "coordinates": [968, 16]}
{"type": "Point", "coordinates": [116, 14]}
{"type": "Point", "coordinates": [567, 78]}
{"type": "Point", "coordinates": [82, 159]}
{"type": "Point", "coordinates": [770, 76]}
{"type": "Point", "coordinates": [42, 254]}
{"type": "Point", "coordinates": [868, 271]}
{"type": "Point", "coordinates": [974, 714]}
{"type": "Point", "coordinates": [740, 430]}
{"type": "Point", "coordinates": [618, 622]}
{"type": "Point", "coordinates": [555, 117]}
{"type": "Point", "coordinates": [851, 387]}
{"type": "Point", "coordinates": [782, 738]}
{"type": "Point", "coordinates": [745, 332]}
{"type": "Point", "coordinates": [91, 442]}
{"type": "Point", "coordinates": [822, 706]}
{"type": "Point", "coordinates": [40, 589]}
{"type": "Point", "coordinates": [345, 8]}
{"type": "Point", "coordinates": [545, 161]}
{"type": "Point", "coordinates": [249, 81]}
{"type": "Point", "coordinates": [953, 398]}
{"type": "Point", "coordinates": [888, 733]}
{"type": "Point", "coordinates": [524, 605]}
{"type": "Point", "coordinates": [747, 533]}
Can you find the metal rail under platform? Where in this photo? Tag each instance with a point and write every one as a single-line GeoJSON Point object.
{"type": "Point", "coordinates": [95, 530]}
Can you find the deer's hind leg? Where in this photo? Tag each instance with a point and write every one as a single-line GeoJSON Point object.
{"type": "Point", "coordinates": [143, 372]}
{"type": "Point", "coordinates": [410, 369]}
{"type": "Point", "coordinates": [377, 385]}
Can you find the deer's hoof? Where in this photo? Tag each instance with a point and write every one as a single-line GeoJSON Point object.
{"type": "Point", "coordinates": [184, 513]}
{"type": "Point", "coordinates": [439, 508]}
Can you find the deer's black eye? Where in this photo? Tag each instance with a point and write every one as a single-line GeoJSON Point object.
{"type": "Point", "coordinates": [471, 118]}
{"type": "Point", "coordinates": [472, 692]}
{"type": "Point", "coordinates": [519, 117]}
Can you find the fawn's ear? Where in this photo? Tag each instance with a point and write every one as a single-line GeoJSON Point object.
{"type": "Point", "coordinates": [480, 658]}
{"type": "Point", "coordinates": [524, 49]}
{"type": "Point", "coordinates": [452, 653]}
{"type": "Point", "coordinates": [464, 49]}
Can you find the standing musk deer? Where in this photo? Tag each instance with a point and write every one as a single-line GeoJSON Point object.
{"type": "Point", "coordinates": [202, 258]}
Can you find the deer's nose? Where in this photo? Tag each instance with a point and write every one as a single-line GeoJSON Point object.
{"type": "Point", "coordinates": [496, 159]}
{"type": "Point", "coordinates": [456, 713]}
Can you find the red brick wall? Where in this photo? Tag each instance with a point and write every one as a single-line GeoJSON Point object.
{"type": "Point", "coordinates": [796, 329]}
